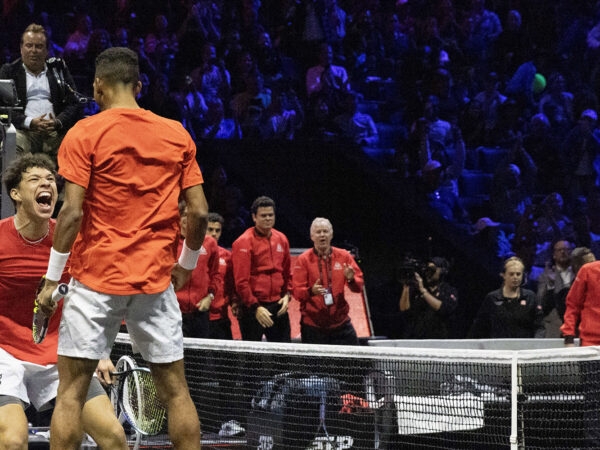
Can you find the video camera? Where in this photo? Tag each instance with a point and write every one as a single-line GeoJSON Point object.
{"type": "Point", "coordinates": [409, 266]}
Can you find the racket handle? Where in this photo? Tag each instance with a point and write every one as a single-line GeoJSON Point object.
{"type": "Point", "coordinates": [40, 320]}
{"type": "Point", "coordinates": [59, 293]}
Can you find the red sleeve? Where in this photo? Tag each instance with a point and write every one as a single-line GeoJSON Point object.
{"type": "Point", "coordinates": [241, 258]}
{"type": "Point", "coordinates": [359, 280]}
{"type": "Point", "coordinates": [287, 269]}
{"type": "Point", "coordinates": [215, 284]}
{"type": "Point", "coordinates": [574, 304]}
{"type": "Point", "coordinates": [300, 279]}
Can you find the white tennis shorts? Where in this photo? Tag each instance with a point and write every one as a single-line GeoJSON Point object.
{"type": "Point", "coordinates": [31, 383]}
{"type": "Point", "coordinates": [91, 320]}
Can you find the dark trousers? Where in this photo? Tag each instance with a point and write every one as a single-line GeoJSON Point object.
{"type": "Point", "coordinates": [251, 330]}
{"type": "Point", "coordinates": [220, 329]}
{"type": "Point", "coordinates": [343, 335]}
{"type": "Point", "coordinates": [195, 324]}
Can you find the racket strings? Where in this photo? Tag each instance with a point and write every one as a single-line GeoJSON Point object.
{"type": "Point", "coordinates": [141, 404]}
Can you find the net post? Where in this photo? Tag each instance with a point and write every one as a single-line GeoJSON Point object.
{"type": "Point", "coordinates": [514, 391]}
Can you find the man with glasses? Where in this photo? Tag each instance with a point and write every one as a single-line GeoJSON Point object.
{"type": "Point", "coordinates": [553, 285]}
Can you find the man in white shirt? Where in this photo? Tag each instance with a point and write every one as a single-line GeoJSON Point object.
{"type": "Point", "coordinates": [45, 89]}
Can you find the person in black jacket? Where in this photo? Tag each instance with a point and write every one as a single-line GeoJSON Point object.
{"type": "Point", "coordinates": [428, 303]}
{"type": "Point", "coordinates": [48, 103]}
{"type": "Point", "coordinates": [511, 311]}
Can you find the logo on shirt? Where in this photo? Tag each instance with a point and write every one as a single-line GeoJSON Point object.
{"type": "Point", "coordinates": [203, 251]}
{"type": "Point", "coordinates": [222, 262]}
{"type": "Point", "coordinates": [279, 248]}
{"type": "Point", "coordinates": [337, 266]}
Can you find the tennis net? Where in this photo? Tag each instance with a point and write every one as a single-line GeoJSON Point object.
{"type": "Point", "coordinates": [271, 396]}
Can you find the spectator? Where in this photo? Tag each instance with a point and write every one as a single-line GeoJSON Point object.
{"type": "Point", "coordinates": [50, 108]}
{"type": "Point", "coordinates": [553, 285]}
{"type": "Point", "coordinates": [543, 144]}
{"type": "Point", "coordinates": [552, 223]}
{"type": "Point", "coordinates": [196, 296]}
{"type": "Point", "coordinates": [579, 257]}
{"type": "Point", "coordinates": [579, 151]}
{"type": "Point", "coordinates": [121, 37]}
{"type": "Point", "coordinates": [557, 104]}
{"type": "Point", "coordinates": [320, 278]}
{"type": "Point", "coordinates": [365, 47]}
{"type": "Point", "coordinates": [77, 43]}
{"type": "Point", "coordinates": [98, 42]}
{"type": "Point", "coordinates": [245, 66]}
{"type": "Point", "coordinates": [216, 125]}
{"type": "Point", "coordinates": [334, 21]}
{"type": "Point", "coordinates": [428, 303]}
{"type": "Point", "coordinates": [237, 217]}
{"type": "Point", "coordinates": [356, 126]}
{"type": "Point", "coordinates": [513, 45]}
{"type": "Point", "coordinates": [490, 100]}
{"type": "Point", "coordinates": [193, 108]}
{"type": "Point", "coordinates": [160, 100]}
{"type": "Point", "coordinates": [268, 60]}
{"type": "Point", "coordinates": [397, 46]}
{"type": "Point", "coordinates": [481, 28]}
{"type": "Point", "coordinates": [219, 323]}
{"type": "Point", "coordinates": [161, 45]}
{"type": "Point", "coordinates": [262, 273]}
{"type": "Point", "coordinates": [433, 133]}
{"type": "Point", "coordinates": [510, 196]}
{"type": "Point", "coordinates": [249, 107]}
{"type": "Point", "coordinates": [440, 193]}
{"type": "Point", "coordinates": [54, 49]}
{"type": "Point", "coordinates": [205, 16]}
{"type": "Point", "coordinates": [511, 311]}
{"type": "Point", "coordinates": [211, 78]}
{"type": "Point", "coordinates": [326, 76]}
{"type": "Point", "coordinates": [281, 123]}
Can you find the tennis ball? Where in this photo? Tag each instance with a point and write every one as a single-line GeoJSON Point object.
{"type": "Point", "coordinates": [539, 83]}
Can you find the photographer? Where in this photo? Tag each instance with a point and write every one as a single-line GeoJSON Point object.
{"type": "Point", "coordinates": [427, 302]}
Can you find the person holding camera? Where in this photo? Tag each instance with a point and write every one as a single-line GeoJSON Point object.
{"type": "Point", "coordinates": [320, 277]}
{"type": "Point", "coordinates": [428, 302]}
{"type": "Point", "coordinates": [44, 86]}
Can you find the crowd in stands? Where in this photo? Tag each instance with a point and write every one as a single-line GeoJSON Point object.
{"type": "Point", "coordinates": [490, 108]}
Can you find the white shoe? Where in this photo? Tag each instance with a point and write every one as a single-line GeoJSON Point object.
{"type": "Point", "coordinates": [231, 428]}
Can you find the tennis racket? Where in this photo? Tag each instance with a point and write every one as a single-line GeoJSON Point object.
{"type": "Point", "coordinates": [40, 323]}
{"type": "Point", "coordinates": [136, 398]}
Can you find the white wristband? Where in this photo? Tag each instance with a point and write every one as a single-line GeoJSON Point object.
{"type": "Point", "coordinates": [188, 258]}
{"type": "Point", "coordinates": [56, 265]}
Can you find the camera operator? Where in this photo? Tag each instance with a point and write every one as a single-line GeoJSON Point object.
{"type": "Point", "coordinates": [428, 303]}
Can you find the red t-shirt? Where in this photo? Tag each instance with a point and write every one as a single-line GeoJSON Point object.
{"type": "Point", "coordinates": [22, 266]}
{"type": "Point", "coordinates": [133, 165]}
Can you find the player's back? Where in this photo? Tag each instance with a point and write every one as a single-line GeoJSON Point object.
{"type": "Point", "coordinates": [133, 165]}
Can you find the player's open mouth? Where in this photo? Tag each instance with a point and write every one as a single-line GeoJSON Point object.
{"type": "Point", "coordinates": [44, 199]}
